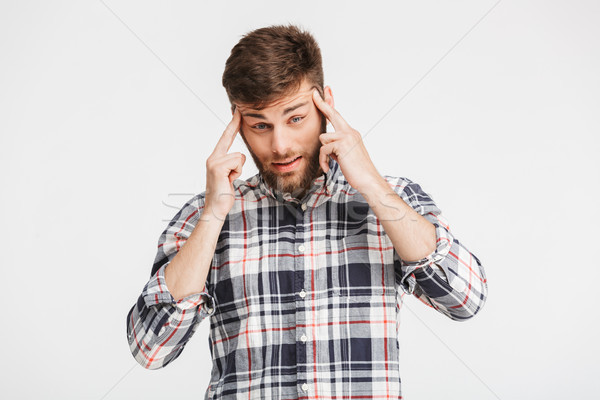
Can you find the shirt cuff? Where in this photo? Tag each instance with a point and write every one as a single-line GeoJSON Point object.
{"type": "Point", "coordinates": [156, 292]}
{"type": "Point", "coordinates": [444, 241]}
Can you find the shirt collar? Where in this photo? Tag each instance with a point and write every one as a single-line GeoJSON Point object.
{"type": "Point", "coordinates": [321, 190]}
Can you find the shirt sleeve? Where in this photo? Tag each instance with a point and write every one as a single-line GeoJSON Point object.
{"type": "Point", "coordinates": [451, 279]}
{"type": "Point", "coordinates": [158, 327]}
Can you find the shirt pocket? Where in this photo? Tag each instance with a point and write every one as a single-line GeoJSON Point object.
{"type": "Point", "coordinates": [360, 271]}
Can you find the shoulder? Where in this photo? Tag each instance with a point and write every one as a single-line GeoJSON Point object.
{"type": "Point", "coordinates": [240, 187]}
{"type": "Point", "coordinates": [194, 205]}
{"type": "Point", "coordinates": [247, 187]}
{"type": "Point", "coordinates": [399, 183]}
{"type": "Point", "coordinates": [405, 187]}
{"type": "Point", "coordinates": [411, 192]}
{"type": "Point", "coordinates": [189, 212]}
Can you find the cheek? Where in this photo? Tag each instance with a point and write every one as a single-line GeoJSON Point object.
{"type": "Point", "coordinates": [312, 133]}
{"type": "Point", "coordinates": [257, 145]}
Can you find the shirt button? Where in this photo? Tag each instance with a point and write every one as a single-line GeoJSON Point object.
{"type": "Point", "coordinates": [301, 248]}
{"type": "Point", "coordinates": [305, 387]}
{"type": "Point", "coordinates": [303, 338]}
{"type": "Point", "coordinates": [302, 293]}
{"type": "Point", "coordinates": [303, 207]}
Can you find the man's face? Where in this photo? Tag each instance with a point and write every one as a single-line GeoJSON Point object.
{"type": "Point", "coordinates": [283, 139]}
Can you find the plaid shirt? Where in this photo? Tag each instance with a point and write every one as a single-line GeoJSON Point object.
{"type": "Point", "coordinates": [303, 296]}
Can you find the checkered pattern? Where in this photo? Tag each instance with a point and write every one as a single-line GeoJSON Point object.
{"type": "Point", "coordinates": [303, 296]}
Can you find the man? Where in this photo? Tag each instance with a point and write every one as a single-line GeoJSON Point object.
{"type": "Point", "coordinates": [302, 267]}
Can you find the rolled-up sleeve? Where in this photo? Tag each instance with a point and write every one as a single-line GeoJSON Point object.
{"type": "Point", "coordinates": [158, 327]}
{"type": "Point", "coordinates": [451, 279]}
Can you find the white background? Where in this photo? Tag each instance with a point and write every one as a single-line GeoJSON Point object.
{"type": "Point", "coordinates": [102, 142]}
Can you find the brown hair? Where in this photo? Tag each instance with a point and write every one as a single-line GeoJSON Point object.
{"type": "Point", "coordinates": [270, 63]}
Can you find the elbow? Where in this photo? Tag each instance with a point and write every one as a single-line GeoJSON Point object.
{"type": "Point", "coordinates": [160, 360]}
{"type": "Point", "coordinates": [153, 357]}
{"type": "Point", "coordinates": [469, 302]}
{"type": "Point", "coordinates": [149, 349]}
{"type": "Point", "coordinates": [143, 348]}
{"type": "Point", "coordinates": [143, 360]}
{"type": "Point", "coordinates": [464, 316]}
{"type": "Point", "coordinates": [150, 364]}
{"type": "Point", "coordinates": [157, 335]}
{"type": "Point", "coordinates": [467, 310]}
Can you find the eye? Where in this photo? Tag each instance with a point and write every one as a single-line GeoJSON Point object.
{"type": "Point", "coordinates": [295, 120]}
{"type": "Point", "coordinates": [260, 127]}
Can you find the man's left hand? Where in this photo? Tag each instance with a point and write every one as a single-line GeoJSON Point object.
{"type": "Point", "coordinates": [345, 146]}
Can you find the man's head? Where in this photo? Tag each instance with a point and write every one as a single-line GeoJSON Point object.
{"type": "Point", "coordinates": [270, 76]}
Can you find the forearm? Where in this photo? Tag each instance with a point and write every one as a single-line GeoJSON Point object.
{"type": "Point", "coordinates": [450, 278]}
{"type": "Point", "coordinates": [411, 234]}
{"type": "Point", "coordinates": [186, 274]}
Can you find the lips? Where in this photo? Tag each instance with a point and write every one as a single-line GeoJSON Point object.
{"type": "Point", "coordinates": [288, 165]}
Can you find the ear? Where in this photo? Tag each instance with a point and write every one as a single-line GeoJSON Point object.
{"type": "Point", "coordinates": [328, 96]}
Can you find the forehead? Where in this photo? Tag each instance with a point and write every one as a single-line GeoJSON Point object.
{"type": "Point", "coordinates": [303, 94]}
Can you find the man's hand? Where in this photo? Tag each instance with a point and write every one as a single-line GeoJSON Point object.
{"type": "Point", "coordinates": [222, 169]}
{"type": "Point", "coordinates": [413, 236]}
{"type": "Point", "coordinates": [345, 146]}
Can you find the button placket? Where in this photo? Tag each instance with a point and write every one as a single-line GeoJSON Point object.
{"type": "Point", "coordinates": [298, 248]}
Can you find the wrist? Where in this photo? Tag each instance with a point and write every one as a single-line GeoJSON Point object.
{"type": "Point", "coordinates": [213, 214]}
{"type": "Point", "coordinates": [375, 188]}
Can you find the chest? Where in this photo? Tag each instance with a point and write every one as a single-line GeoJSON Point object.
{"type": "Point", "coordinates": [271, 257]}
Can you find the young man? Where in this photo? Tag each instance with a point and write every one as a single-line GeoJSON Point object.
{"type": "Point", "coordinates": [300, 268]}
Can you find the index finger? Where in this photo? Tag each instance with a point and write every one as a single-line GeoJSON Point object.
{"type": "Point", "coordinates": [330, 113]}
{"type": "Point", "coordinates": [226, 139]}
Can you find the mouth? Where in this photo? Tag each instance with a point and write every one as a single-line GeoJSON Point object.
{"type": "Point", "coordinates": [288, 165]}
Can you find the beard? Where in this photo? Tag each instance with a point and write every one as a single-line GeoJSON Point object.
{"type": "Point", "coordinates": [298, 182]}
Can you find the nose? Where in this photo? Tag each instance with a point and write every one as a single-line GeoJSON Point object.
{"type": "Point", "coordinates": [281, 140]}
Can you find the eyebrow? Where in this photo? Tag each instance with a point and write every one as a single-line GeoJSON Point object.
{"type": "Point", "coordinates": [286, 111]}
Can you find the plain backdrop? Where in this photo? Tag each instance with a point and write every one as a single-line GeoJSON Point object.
{"type": "Point", "coordinates": [109, 109]}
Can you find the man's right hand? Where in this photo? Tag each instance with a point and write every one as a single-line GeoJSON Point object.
{"type": "Point", "coordinates": [221, 170]}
